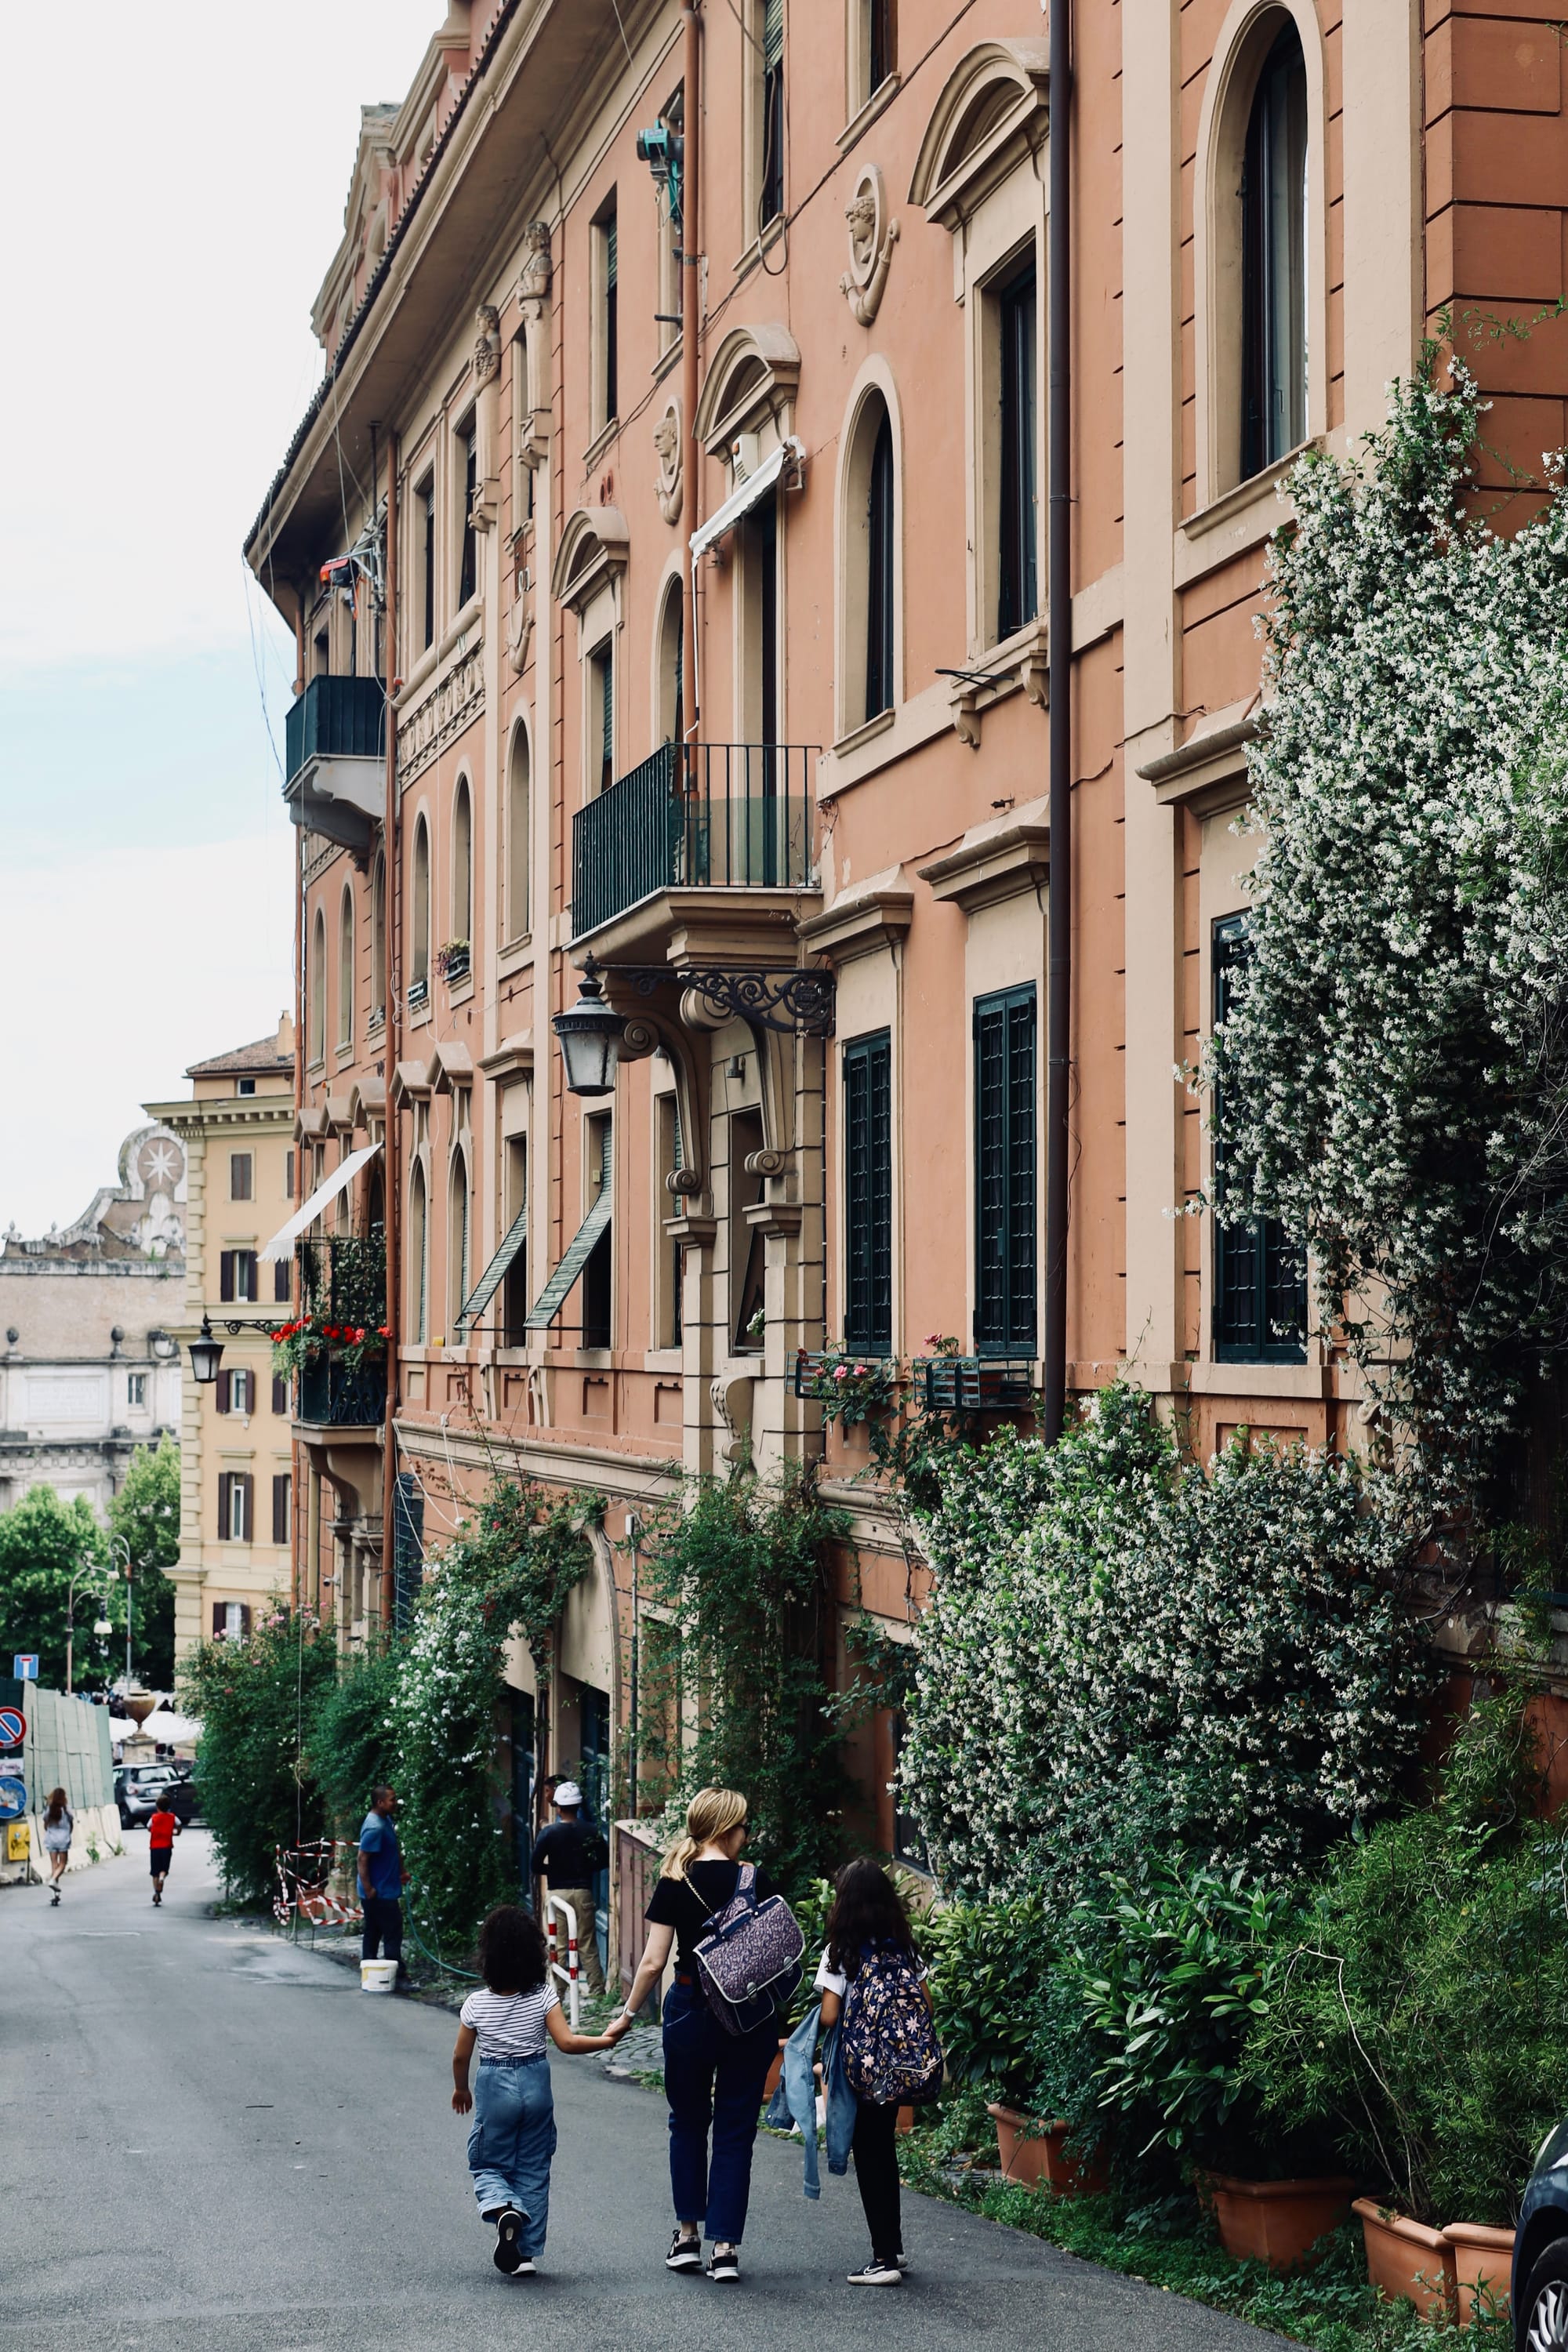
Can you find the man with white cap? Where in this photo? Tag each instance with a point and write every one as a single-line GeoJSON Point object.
{"type": "Point", "coordinates": [562, 1858]}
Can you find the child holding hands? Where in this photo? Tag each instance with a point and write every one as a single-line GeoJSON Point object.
{"type": "Point", "coordinates": [513, 2135]}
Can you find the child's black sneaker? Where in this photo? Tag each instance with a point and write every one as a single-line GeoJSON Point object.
{"type": "Point", "coordinates": [526, 2267]}
{"type": "Point", "coordinates": [878, 2274]}
{"type": "Point", "coordinates": [684, 2253]}
{"type": "Point", "coordinates": [724, 2267]}
{"type": "Point", "coordinates": [508, 2227]}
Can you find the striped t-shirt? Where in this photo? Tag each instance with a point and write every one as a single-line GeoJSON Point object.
{"type": "Point", "coordinates": [510, 2025]}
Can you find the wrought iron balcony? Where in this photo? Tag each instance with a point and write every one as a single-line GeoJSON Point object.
{"type": "Point", "coordinates": [335, 744]}
{"type": "Point", "coordinates": [344, 1279]}
{"type": "Point", "coordinates": [335, 1395]}
{"type": "Point", "coordinates": [973, 1383]}
{"type": "Point", "coordinates": [735, 816]}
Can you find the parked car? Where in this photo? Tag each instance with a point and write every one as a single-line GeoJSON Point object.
{"type": "Point", "coordinates": [1541, 2251]}
{"type": "Point", "coordinates": [140, 1788]}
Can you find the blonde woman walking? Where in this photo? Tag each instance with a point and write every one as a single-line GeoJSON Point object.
{"type": "Point", "coordinates": [59, 1823]}
{"type": "Point", "coordinates": [713, 2079]}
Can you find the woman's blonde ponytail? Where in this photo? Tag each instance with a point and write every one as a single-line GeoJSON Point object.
{"type": "Point", "coordinates": [711, 1814]}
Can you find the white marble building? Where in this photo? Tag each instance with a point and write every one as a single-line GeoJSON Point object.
{"type": "Point", "coordinates": [89, 1368]}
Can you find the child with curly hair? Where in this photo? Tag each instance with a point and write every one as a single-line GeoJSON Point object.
{"type": "Point", "coordinates": [513, 2135]}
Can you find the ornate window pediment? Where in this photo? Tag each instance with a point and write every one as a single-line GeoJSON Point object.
{"type": "Point", "coordinates": [593, 552]}
{"type": "Point", "coordinates": [994, 108]}
{"type": "Point", "coordinates": [754, 375]}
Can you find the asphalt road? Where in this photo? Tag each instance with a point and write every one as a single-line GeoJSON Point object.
{"type": "Point", "coordinates": [213, 2142]}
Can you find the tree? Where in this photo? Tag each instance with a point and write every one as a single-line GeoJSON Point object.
{"type": "Point", "coordinates": [146, 1514]}
{"type": "Point", "coordinates": [44, 1542]}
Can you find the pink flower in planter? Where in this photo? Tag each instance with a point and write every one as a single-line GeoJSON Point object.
{"type": "Point", "coordinates": [842, 1373]}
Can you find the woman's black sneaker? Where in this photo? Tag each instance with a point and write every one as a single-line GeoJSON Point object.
{"type": "Point", "coordinates": [509, 2229]}
{"type": "Point", "coordinates": [876, 2274]}
{"type": "Point", "coordinates": [684, 2253]}
{"type": "Point", "coordinates": [724, 2269]}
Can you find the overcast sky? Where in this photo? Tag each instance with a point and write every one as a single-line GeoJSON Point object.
{"type": "Point", "coordinates": [173, 181]}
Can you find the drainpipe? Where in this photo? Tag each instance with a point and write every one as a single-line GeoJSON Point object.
{"type": "Point", "coordinates": [1058, 626]}
{"type": "Point", "coordinates": [392, 1046]}
{"type": "Point", "coordinates": [298, 1558]}
{"type": "Point", "coordinates": [691, 292]}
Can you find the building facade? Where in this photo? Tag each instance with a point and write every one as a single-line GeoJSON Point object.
{"type": "Point", "coordinates": [89, 1359]}
{"type": "Point", "coordinates": [691, 371]}
{"type": "Point", "coordinates": [237, 1471]}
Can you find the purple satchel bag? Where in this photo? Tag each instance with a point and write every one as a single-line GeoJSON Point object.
{"type": "Point", "coordinates": [749, 1959]}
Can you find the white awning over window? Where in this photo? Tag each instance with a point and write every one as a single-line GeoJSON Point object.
{"type": "Point", "coordinates": [284, 1239]}
{"type": "Point", "coordinates": [747, 495]}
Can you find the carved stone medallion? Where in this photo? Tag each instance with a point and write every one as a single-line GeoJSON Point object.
{"type": "Point", "coordinates": [667, 442]}
{"type": "Point", "coordinates": [872, 237]}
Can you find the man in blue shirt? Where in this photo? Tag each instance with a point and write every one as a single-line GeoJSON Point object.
{"type": "Point", "coordinates": [380, 1881]}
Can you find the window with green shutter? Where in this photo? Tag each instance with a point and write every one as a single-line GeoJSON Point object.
{"type": "Point", "coordinates": [1005, 1054]}
{"type": "Point", "coordinates": [771, 182]}
{"type": "Point", "coordinates": [868, 1194]}
{"type": "Point", "coordinates": [1259, 1273]}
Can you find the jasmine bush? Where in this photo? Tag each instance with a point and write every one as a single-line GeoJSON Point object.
{"type": "Point", "coordinates": [1124, 1651]}
{"type": "Point", "coordinates": [256, 1700]}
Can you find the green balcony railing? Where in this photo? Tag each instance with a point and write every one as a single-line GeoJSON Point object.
{"type": "Point", "coordinates": [336, 718]}
{"type": "Point", "coordinates": [344, 1279]}
{"type": "Point", "coordinates": [705, 815]}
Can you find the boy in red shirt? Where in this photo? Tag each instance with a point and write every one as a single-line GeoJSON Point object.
{"type": "Point", "coordinates": [161, 1830]}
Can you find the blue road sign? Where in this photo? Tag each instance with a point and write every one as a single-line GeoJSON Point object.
{"type": "Point", "coordinates": [12, 1800]}
{"type": "Point", "coordinates": [25, 1667]}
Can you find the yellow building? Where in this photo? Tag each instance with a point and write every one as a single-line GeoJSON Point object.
{"type": "Point", "coordinates": [237, 1450]}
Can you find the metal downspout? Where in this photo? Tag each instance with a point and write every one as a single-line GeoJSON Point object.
{"type": "Point", "coordinates": [391, 917]}
{"type": "Point", "coordinates": [1058, 623]}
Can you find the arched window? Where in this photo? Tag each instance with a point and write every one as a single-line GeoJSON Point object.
{"type": "Point", "coordinates": [419, 961]}
{"type": "Point", "coordinates": [671, 668]}
{"type": "Point", "coordinates": [517, 837]}
{"type": "Point", "coordinates": [457, 1240]}
{"type": "Point", "coordinates": [418, 1253]}
{"type": "Point", "coordinates": [1274, 258]}
{"type": "Point", "coordinates": [378, 936]}
{"type": "Point", "coordinates": [316, 988]}
{"type": "Point", "coordinates": [870, 594]}
{"type": "Point", "coordinates": [346, 969]}
{"type": "Point", "coordinates": [462, 865]}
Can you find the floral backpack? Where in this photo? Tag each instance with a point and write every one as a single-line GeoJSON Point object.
{"type": "Point", "coordinates": [892, 2053]}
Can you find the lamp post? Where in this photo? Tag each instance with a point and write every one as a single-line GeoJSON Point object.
{"type": "Point", "coordinates": [120, 1554]}
{"type": "Point", "coordinates": [102, 1626]}
{"type": "Point", "coordinates": [205, 1354]}
{"type": "Point", "coordinates": [590, 1034]}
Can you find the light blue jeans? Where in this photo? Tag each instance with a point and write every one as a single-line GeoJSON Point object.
{"type": "Point", "coordinates": [511, 2142]}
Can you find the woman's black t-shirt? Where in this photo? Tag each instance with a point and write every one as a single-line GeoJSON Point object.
{"type": "Point", "coordinates": [687, 1904]}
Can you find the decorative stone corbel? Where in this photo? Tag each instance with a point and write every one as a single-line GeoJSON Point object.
{"type": "Point", "coordinates": [533, 300]}
{"type": "Point", "coordinates": [668, 440]}
{"type": "Point", "coordinates": [485, 512]}
{"type": "Point", "coordinates": [872, 237]}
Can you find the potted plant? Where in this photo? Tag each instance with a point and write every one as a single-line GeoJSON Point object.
{"type": "Point", "coordinates": [452, 961]}
{"type": "Point", "coordinates": [1406, 2261]}
{"type": "Point", "coordinates": [1483, 2268]}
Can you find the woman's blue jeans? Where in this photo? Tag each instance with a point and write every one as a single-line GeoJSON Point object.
{"type": "Point", "coordinates": [713, 2081]}
{"type": "Point", "coordinates": [511, 2142]}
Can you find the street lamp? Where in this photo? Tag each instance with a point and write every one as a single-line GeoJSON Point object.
{"type": "Point", "coordinates": [120, 1557]}
{"type": "Point", "coordinates": [205, 1353]}
{"type": "Point", "coordinates": [101, 1627]}
{"type": "Point", "coordinates": [590, 1034]}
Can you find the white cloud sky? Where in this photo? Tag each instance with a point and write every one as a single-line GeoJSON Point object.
{"type": "Point", "coordinates": [174, 183]}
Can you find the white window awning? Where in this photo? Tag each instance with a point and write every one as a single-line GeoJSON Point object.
{"type": "Point", "coordinates": [747, 494]}
{"type": "Point", "coordinates": [284, 1239]}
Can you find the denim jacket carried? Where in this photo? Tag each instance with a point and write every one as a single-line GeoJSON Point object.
{"type": "Point", "coordinates": [795, 2101]}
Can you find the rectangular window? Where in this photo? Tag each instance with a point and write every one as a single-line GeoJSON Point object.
{"type": "Point", "coordinates": [136, 1388]}
{"type": "Point", "coordinates": [770, 193]}
{"type": "Point", "coordinates": [281, 1271]}
{"type": "Point", "coordinates": [880, 553]}
{"type": "Point", "coordinates": [245, 1086]}
{"type": "Point", "coordinates": [241, 1175]}
{"type": "Point", "coordinates": [515, 1301]}
{"type": "Point", "coordinates": [1017, 586]}
{"type": "Point", "coordinates": [880, 44]}
{"type": "Point", "coordinates": [1259, 1275]}
{"type": "Point", "coordinates": [868, 1194]}
{"type": "Point", "coordinates": [231, 1620]}
{"type": "Point", "coordinates": [667, 1203]}
{"type": "Point", "coordinates": [280, 1395]}
{"type": "Point", "coordinates": [598, 1275]}
{"type": "Point", "coordinates": [235, 1488]}
{"type": "Point", "coordinates": [608, 258]}
{"type": "Point", "coordinates": [468, 562]}
{"type": "Point", "coordinates": [289, 1174]}
{"type": "Point", "coordinates": [236, 1391]}
{"type": "Point", "coordinates": [425, 498]}
{"type": "Point", "coordinates": [283, 1491]}
{"type": "Point", "coordinates": [602, 716]}
{"type": "Point", "coordinates": [1004, 1152]}
{"type": "Point", "coordinates": [236, 1275]}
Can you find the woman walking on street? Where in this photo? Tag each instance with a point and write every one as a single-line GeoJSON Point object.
{"type": "Point", "coordinates": [712, 2078]}
{"type": "Point", "coordinates": [59, 1823]}
{"type": "Point", "coordinates": [870, 1947]}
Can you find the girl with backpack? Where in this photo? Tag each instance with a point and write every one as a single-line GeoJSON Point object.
{"type": "Point", "coordinates": [873, 1988]}
{"type": "Point", "coordinates": [60, 1822]}
{"type": "Point", "coordinates": [717, 2051]}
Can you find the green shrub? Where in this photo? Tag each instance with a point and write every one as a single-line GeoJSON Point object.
{"type": "Point", "coordinates": [352, 1740]}
{"type": "Point", "coordinates": [1419, 2012]}
{"type": "Point", "coordinates": [257, 1701]}
{"type": "Point", "coordinates": [988, 1963]}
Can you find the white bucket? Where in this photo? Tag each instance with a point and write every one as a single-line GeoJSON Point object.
{"type": "Point", "coordinates": [377, 1976]}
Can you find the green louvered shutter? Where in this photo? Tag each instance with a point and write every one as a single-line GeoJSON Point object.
{"type": "Point", "coordinates": [772, 33]}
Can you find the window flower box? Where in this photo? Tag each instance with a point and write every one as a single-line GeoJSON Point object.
{"type": "Point", "coordinates": [453, 962]}
{"type": "Point", "coordinates": [973, 1383]}
{"type": "Point", "coordinates": [849, 1388]}
{"type": "Point", "coordinates": [419, 993]}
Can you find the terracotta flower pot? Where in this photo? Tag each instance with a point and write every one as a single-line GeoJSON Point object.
{"type": "Point", "coordinates": [1032, 2150]}
{"type": "Point", "coordinates": [1483, 2259]}
{"type": "Point", "coordinates": [1277, 2221]}
{"type": "Point", "coordinates": [1407, 2262]}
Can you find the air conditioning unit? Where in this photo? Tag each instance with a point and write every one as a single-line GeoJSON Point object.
{"type": "Point", "coordinates": [745, 456]}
